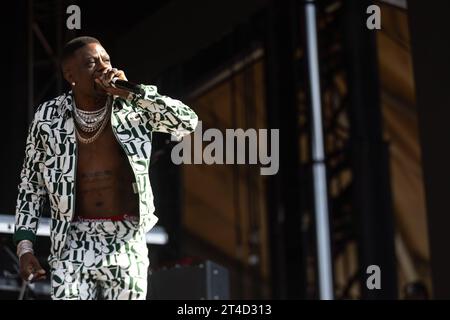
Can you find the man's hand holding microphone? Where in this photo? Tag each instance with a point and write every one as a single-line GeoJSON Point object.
{"type": "Point", "coordinates": [108, 79]}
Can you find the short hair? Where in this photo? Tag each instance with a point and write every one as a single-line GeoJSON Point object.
{"type": "Point", "coordinates": [75, 44]}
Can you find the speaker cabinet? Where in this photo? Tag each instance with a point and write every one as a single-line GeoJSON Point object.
{"type": "Point", "coordinates": [205, 281]}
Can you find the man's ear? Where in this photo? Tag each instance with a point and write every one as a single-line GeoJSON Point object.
{"type": "Point", "coordinates": [68, 76]}
{"type": "Point", "coordinates": [67, 73]}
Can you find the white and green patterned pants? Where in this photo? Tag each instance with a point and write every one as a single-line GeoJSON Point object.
{"type": "Point", "coordinates": [102, 260]}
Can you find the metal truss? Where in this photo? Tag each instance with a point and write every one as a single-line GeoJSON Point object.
{"type": "Point", "coordinates": [336, 122]}
{"type": "Point", "coordinates": [46, 33]}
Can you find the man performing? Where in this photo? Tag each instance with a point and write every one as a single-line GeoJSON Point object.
{"type": "Point", "coordinates": [89, 150]}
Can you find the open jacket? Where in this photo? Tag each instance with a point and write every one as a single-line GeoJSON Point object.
{"type": "Point", "coordinates": [51, 158]}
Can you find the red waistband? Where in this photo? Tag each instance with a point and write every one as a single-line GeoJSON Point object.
{"type": "Point", "coordinates": [120, 217]}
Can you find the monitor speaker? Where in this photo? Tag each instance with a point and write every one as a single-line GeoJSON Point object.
{"type": "Point", "coordinates": [205, 281]}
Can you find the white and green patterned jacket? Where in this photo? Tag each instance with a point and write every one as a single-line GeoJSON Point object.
{"type": "Point", "coordinates": [51, 158]}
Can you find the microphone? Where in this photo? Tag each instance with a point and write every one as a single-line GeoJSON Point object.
{"type": "Point", "coordinates": [125, 85]}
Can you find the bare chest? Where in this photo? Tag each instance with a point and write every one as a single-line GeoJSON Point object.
{"type": "Point", "coordinates": [104, 178]}
{"type": "Point", "coordinates": [104, 154]}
